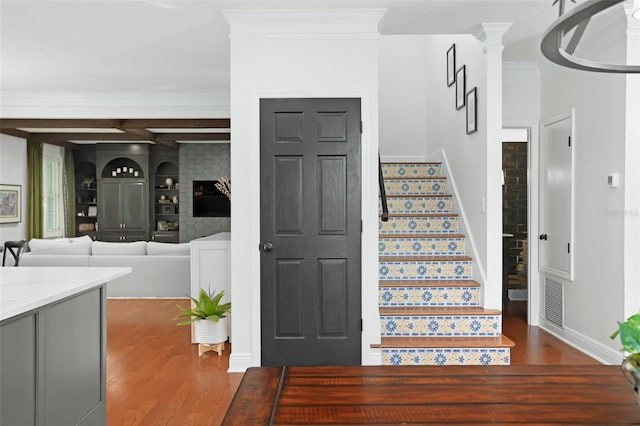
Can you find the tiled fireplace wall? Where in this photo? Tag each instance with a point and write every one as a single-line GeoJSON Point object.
{"type": "Point", "coordinates": [514, 209]}
{"type": "Point", "coordinates": [201, 162]}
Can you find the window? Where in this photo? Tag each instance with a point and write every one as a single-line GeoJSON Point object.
{"type": "Point", "coordinates": [52, 203]}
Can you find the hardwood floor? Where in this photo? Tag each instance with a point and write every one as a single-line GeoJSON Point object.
{"type": "Point", "coordinates": [155, 376]}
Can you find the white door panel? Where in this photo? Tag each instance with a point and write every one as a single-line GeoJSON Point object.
{"type": "Point", "coordinates": [556, 192]}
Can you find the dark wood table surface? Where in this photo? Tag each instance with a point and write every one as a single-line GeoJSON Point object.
{"type": "Point", "coordinates": [371, 395]}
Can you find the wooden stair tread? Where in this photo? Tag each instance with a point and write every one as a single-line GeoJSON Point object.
{"type": "Point", "coordinates": [501, 341]}
{"type": "Point", "coordinates": [424, 259]}
{"type": "Point", "coordinates": [418, 215]}
{"type": "Point", "coordinates": [436, 310]}
{"type": "Point", "coordinates": [426, 235]}
{"type": "Point", "coordinates": [415, 178]}
{"type": "Point", "coordinates": [428, 283]}
{"type": "Point", "coordinates": [419, 196]}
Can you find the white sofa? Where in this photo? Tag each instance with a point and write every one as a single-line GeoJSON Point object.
{"type": "Point", "coordinates": [159, 270]}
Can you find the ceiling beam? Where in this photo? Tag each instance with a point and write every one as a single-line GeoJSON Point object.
{"type": "Point", "coordinates": [63, 123]}
{"type": "Point", "coordinates": [53, 137]}
{"type": "Point", "coordinates": [186, 123]}
{"type": "Point", "coordinates": [193, 137]}
{"type": "Point", "coordinates": [17, 133]}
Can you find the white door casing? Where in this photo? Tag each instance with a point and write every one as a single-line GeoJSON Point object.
{"type": "Point", "coordinates": [557, 196]}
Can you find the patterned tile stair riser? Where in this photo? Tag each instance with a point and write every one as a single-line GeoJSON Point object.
{"type": "Point", "coordinates": [409, 171]}
{"type": "Point", "coordinates": [421, 246]}
{"type": "Point", "coordinates": [418, 205]}
{"type": "Point", "coordinates": [416, 187]}
{"type": "Point", "coordinates": [425, 270]}
{"type": "Point", "coordinates": [449, 356]}
{"type": "Point", "coordinates": [431, 273]}
{"type": "Point", "coordinates": [431, 296]}
{"type": "Point", "coordinates": [441, 326]}
{"type": "Point", "coordinates": [419, 225]}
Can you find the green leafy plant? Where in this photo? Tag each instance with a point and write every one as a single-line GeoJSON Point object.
{"type": "Point", "coordinates": [629, 332]}
{"type": "Point", "coordinates": [88, 182]}
{"type": "Point", "coordinates": [206, 306]}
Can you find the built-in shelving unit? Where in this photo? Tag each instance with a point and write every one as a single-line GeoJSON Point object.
{"type": "Point", "coordinates": [166, 203]}
{"type": "Point", "coordinates": [86, 200]}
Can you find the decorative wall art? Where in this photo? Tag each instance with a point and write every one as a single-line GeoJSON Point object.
{"type": "Point", "coordinates": [461, 86]}
{"type": "Point", "coordinates": [451, 65]}
{"type": "Point", "coordinates": [472, 111]}
{"type": "Point", "coordinates": [10, 201]}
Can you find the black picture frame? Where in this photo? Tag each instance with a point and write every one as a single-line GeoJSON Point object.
{"type": "Point", "coordinates": [472, 110]}
{"type": "Point", "coordinates": [461, 86]}
{"type": "Point", "coordinates": [451, 65]}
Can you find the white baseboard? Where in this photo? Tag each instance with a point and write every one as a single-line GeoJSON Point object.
{"type": "Point", "coordinates": [403, 158]}
{"type": "Point", "coordinates": [583, 343]}
{"type": "Point", "coordinates": [238, 363]}
{"type": "Point", "coordinates": [375, 358]}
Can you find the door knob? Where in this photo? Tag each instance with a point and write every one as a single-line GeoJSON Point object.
{"type": "Point", "coordinates": [543, 237]}
{"type": "Point", "coordinates": [267, 247]}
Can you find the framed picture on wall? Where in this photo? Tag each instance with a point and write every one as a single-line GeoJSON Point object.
{"type": "Point", "coordinates": [451, 65]}
{"type": "Point", "coordinates": [461, 86]}
{"type": "Point", "coordinates": [472, 111]}
{"type": "Point", "coordinates": [10, 201]}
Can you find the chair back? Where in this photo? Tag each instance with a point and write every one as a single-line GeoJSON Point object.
{"type": "Point", "coordinates": [15, 248]}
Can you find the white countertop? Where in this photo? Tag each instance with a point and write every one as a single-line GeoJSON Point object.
{"type": "Point", "coordinates": [23, 289]}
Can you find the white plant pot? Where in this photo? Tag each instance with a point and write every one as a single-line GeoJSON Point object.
{"type": "Point", "coordinates": [210, 332]}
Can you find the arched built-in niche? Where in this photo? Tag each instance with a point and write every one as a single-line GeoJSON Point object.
{"type": "Point", "coordinates": [122, 167]}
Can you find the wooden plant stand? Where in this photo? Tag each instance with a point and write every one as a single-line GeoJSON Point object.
{"type": "Point", "coordinates": [217, 347]}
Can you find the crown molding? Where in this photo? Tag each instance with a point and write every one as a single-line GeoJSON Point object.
{"type": "Point", "coordinates": [521, 71]}
{"type": "Point", "coordinates": [114, 105]}
{"type": "Point", "coordinates": [304, 23]}
{"type": "Point", "coordinates": [490, 34]}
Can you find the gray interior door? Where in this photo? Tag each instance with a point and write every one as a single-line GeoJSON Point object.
{"type": "Point", "coordinates": [310, 231]}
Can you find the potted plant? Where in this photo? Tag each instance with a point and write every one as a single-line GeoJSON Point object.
{"type": "Point", "coordinates": [629, 332]}
{"type": "Point", "coordinates": [209, 317]}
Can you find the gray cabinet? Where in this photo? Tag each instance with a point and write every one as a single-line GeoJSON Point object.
{"type": "Point", "coordinates": [18, 371]}
{"type": "Point", "coordinates": [53, 364]}
{"type": "Point", "coordinates": [124, 210]}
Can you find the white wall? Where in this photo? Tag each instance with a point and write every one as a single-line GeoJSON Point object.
{"type": "Point", "coordinates": [403, 98]}
{"type": "Point", "coordinates": [446, 128]}
{"type": "Point", "coordinates": [294, 68]}
{"type": "Point", "coordinates": [13, 171]}
{"type": "Point", "coordinates": [520, 101]}
{"type": "Point", "coordinates": [594, 301]}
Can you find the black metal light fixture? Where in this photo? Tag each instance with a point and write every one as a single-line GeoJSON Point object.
{"type": "Point", "coordinates": [578, 18]}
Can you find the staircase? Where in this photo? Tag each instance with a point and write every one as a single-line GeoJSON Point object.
{"type": "Point", "coordinates": [430, 310]}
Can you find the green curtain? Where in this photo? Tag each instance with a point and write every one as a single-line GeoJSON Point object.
{"type": "Point", "coordinates": [69, 191]}
{"type": "Point", "coordinates": [34, 189]}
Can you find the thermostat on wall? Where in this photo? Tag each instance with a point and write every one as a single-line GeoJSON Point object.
{"type": "Point", "coordinates": [613, 180]}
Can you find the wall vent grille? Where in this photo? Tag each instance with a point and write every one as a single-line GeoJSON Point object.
{"type": "Point", "coordinates": [554, 302]}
